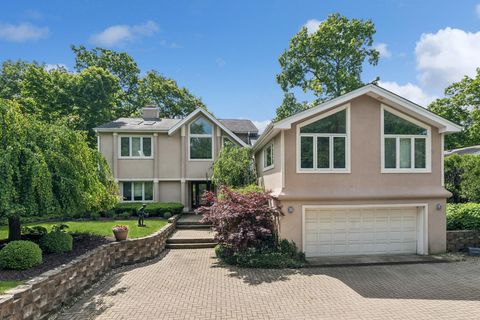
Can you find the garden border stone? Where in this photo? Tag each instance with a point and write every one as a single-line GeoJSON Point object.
{"type": "Point", "coordinates": [42, 295]}
{"type": "Point", "coordinates": [460, 240]}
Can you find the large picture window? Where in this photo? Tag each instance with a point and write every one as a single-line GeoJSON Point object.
{"type": "Point", "coordinates": [135, 147]}
{"type": "Point", "coordinates": [137, 191]}
{"type": "Point", "coordinates": [324, 143]}
{"type": "Point", "coordinates": [405, 143]}
{"type": "Point", "coordinates": [268, 160]}
{"type": "Point", "coordinates": [201, 139]}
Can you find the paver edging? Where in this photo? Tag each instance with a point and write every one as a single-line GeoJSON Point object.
{"type": "Point", "coordinates": [47, 292]}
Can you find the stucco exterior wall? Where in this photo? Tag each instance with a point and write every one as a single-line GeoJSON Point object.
{"type": "Point", "coordinates": [169, 191]}
{"type": "Point", "coordinates": [271, 179]}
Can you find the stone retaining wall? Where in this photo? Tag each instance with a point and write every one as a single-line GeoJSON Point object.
{"type": "Point", "coordinates": [462, 239]}
{"type": "Point", "coordinates": [46, 293]}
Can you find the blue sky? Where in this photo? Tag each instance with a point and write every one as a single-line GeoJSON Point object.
{"type": "Point", "coordinates": [226, 51]}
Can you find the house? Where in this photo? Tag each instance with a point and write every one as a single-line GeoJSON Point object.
{"type": "Point", "coordinates": [168, 160]}
{"type": "Point", "coordinates": [475, 150]}
{"type": "Point", "coordinates": [359, 174]}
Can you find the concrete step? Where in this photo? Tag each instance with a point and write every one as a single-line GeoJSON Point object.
{"type": "Point", "coordinates": [193, 226]}
{"type": "Point", "coordinates": [190, 245]}
{"type": "Point", "coordinates": [189, 222]}
{"type": "Point", "coordinates": [192, 240]}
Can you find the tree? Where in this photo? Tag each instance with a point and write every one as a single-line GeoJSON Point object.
{"type": "Point", "coordinates": [48, 169]}
{"type": "Point", "coordinates": [289, 106]}
{"type": "Point", "coordinates": [234, 167]}
{"type": "Point", "coordinates": [461, 105]}
{"type": "Point", "coordinates": [172, 100]}
{"type": "Point", "coordinates": [328, 62]}
{"type": "Point", "coordinates": [461, 177]}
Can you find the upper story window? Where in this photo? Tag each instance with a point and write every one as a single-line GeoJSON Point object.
{"type": "Point", "coordinates": [268, 161]}
{"type": "Point", "coordinates": [201, 140]}
{"type": "Point", "coordinates": [405, 143]}
{"type": "Point", "coordinates": [135, 147]}
{"type": "Point", "coordinates": [324, 143]}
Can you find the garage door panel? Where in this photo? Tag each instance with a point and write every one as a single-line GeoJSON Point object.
{"type": "Point", "coordinates": [356, 231]}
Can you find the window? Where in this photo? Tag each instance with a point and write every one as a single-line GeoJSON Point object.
{"type": "Point", "coordinates": [323, 143]}
{"type": "Point", "coordinates": [405, 142]}
{"type": "Point", "coordinates": [201, 140]}
{"type": "Point", "coordinates": [268, 157]}
{"type": "Point", "coordinates": [137, 191]}
{"type": "Point", "coordinates": [135, 147]}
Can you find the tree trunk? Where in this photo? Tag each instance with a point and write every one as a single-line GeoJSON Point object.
{"type": "Point", "coordinates": [14, 232]}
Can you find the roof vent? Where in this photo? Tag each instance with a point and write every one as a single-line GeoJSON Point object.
{"type": "Point", "coordinates": [150, 112]}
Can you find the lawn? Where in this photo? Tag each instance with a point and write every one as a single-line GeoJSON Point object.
{"type": "Point", "coordinates": [102, 228]}
{"type": "Point", "coordinates": [8, 284]}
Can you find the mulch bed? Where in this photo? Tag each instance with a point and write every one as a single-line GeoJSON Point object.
{"type": "Point", "coordinates": [81, 244]}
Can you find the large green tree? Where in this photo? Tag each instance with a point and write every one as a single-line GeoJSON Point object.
{"type": "Point", "coordinates": [234, 167]}
{"type": "Point", "coordinates": [461, 105]}
{"type": "Point", "coordinates": [48, 169]}
{"type": "Point", "coordinates": [328, 62]}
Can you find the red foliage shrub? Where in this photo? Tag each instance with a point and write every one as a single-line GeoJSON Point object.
{"type": "Point", "coordinates": [241, 221]}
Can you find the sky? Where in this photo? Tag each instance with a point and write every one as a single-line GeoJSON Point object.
{"type": "Point", "coordinates": [226, 52]}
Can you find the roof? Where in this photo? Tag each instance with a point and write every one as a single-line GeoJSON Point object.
{"type": "Point", "coordinates": [206, 114]}
{"type": "Point", "coordinates": [374, 91]}
{"type": "Point", "coordinates": [138, 124]}
{"type": "Point", "coordinates": [239, 125]}
{"type": "Point", "coordinates": [466, 150]}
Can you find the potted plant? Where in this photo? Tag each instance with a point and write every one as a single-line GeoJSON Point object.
{"type": "Point", "coordinates": [120, 231]}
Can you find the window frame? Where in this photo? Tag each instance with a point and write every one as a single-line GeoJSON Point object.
{"type": "Point", "coordinates": [201, 135]}
{"type": "Point", "coordinates": [133, 190]}
{"type": "Point", "coordinates": [412, 137]}
{"type": "Point", "coordinates": [331, 136]}
{"type": "Point", "coordinates": [264, 154]}
{"type": "Point", "coordinates": [130, 146]}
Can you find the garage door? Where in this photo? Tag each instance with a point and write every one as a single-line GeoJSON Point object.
{"type": "Point", "coordinates": [356, 231]}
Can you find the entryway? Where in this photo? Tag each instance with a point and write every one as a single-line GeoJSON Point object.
{"type": "Point", "coordinates": [197, 190]}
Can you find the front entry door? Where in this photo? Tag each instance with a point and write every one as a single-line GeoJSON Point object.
{"type": "Point", "coordinates": [198, 188]}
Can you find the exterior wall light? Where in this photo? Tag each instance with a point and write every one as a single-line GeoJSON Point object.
{"type": "Point", "coordinates": [290, 209]}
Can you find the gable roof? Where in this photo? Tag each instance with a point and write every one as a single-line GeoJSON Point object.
{"type": "Point", "coordinates": [239, 125]}
{"type": "Point", "coordinates": [207, 115]}
{"type": "Point", "coordinates": [374, 91]}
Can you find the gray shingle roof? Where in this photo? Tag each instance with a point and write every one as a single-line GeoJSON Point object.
{"type": "Point", "coordinates": [466, 150]}
{"type": "Point", "coordinates": [239, 125]}
{"type": "Point", "coordinates": [139, 124]}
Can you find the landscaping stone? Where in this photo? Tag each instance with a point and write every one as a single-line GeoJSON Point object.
{"type": "Point", "coordinates": [460, 240]}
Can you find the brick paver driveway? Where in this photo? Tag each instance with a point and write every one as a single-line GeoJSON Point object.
{"type": "Point", "coordinates": [188, 284]}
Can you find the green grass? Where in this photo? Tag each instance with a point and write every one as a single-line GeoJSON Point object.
{"type": "Point", "coordinates": [101, 228]}
{"type": "Point", "coordinates": [8, 284]}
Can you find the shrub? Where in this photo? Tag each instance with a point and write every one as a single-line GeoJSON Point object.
{"type": "Point", "coordinates": [167, 215]}
{"type": "Point", "coordinates": [20, 255]}
{"type": "Point", "coordinates": [109, 214]}
{"type": "Point", "coordinates": [94, 216]}
{"type": "Point", "coordinates": [249, 188]}
{"type": "Point", "coordinates": [464, 216]}
{"type": "Point", "coordinates": [124, 215]}
{"type": "Point", "coordinates": [239, 220]}
{"type": "Point", "coordinates": [57, 242]}
{"type": "Point", "coordinates": [34, 233]}
{"type": "Point", "coordinates": [234, 167]}
{"type": "Point", "coordinates": [461, 177]}
{"type": "Point", "coordinates": [61, 227]}
{"type": "Point", "coordinates": [153, 209]}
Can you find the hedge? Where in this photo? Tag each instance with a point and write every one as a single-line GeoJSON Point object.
{"type": "Point", "coordinates": [153, 209]}
{"type": "Point", "coordinates": [463, 216]}
{"type": "Point", "coordinates": [20, 255]}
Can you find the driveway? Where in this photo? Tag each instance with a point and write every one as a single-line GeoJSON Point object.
{"type": "Point", "coordinates": [189, 284]}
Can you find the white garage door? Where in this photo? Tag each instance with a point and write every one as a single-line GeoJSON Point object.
{"type": "Point", "coordinates": [356, 231]}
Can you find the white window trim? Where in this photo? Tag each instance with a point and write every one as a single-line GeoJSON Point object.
{"type": "Point", "coordinates": [143, 190]}
{"type": "Point", "coordinates": [130, 147]}
{"type": "Point", "coordinates": [346, 135]}
{"type": "Point", "coordinates": [428, 144]}
{"type": "Point", "coordinates": [264, 154]}
{"type": "Point", "coordinates": [197, 135]}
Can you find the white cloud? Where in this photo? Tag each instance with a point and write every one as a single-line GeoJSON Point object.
{"type": "Point", "coordinates": [312, 25]}
{"type": "Point", "coordinates": [408, 91]}
{"type": "Point", "coordinates": [220, 62]}
{"type": "Point", "coordinates": [170, 45]}
{"type": "Point", "coordinates": [382, 48]}
{"type": "Point", "coordinates": [446, 56]}
{"type": "Point", "coordinates": [22, 32]}
{"type": "Point", "coordinates": [50, 67]}
{"type": "Point", "coordinates": [477, 10]}
{"type": "Point", "coordinates": [261, 125]}
{"type": "Point", "coordinates": [120, 35]}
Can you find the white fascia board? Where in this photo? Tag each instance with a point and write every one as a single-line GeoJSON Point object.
{"type": "Point", "coordinates": [211, 118]}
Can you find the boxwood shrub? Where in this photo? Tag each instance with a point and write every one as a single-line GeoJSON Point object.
{"type": "Point", "coordinates": [153, 209]}
{"type": "Point", "coordinates": [57, 242]}
{"type": "Point", "coordinates": [463, 216]}
{"type": "Point", "coordinates": [20, 255]}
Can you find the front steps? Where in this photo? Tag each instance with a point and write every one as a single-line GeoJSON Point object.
{"type": "Point", "coordinates": [191, 234]}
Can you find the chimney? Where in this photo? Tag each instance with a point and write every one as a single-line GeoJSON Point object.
{"type": "Point", "coordinates": [150, 112]}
